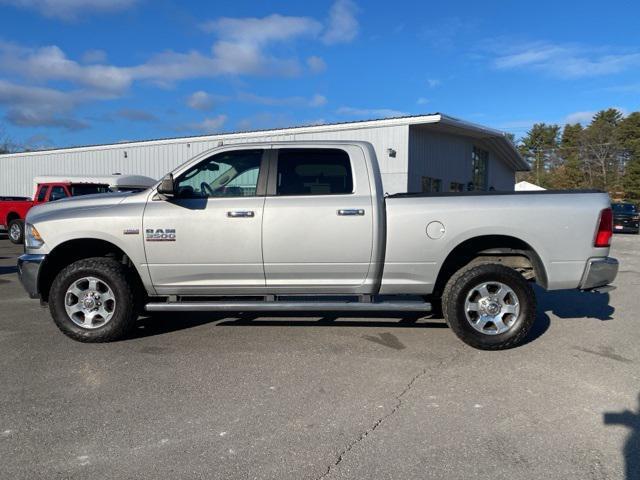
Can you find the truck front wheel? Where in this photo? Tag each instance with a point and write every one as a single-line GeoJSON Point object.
{"type": "Point", "coordinates": [489, 306]}
{"type": "Point", "coordinates": [92, 300]}
{"type": "Point", "coordinates": [16, 231]}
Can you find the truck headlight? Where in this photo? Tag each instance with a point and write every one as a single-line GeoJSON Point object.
{"type": "Point", "coordinates": [32, 237]}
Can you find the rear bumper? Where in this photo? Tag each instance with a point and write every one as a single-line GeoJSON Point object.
{"type": "Point", "coordinates": [599, 272]}
{"type": "Point", "coordinates": [29, 267]}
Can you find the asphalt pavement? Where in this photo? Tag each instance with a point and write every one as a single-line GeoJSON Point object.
{"type": "Point", "coordinates": [324, 396]}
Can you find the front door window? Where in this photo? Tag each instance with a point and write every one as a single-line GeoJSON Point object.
{"type": "Point", "coordinates": [228, 174]}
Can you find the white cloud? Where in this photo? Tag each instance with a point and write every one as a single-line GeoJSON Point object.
{"type": "Point", "coordinates": [316, 100]}
{"type": "Point", "coordinates": [446, 32]}
{"type": "Point", "coordinates": [27, 117]}
{"type": "Point", "coordinates": [422, 101]}
{"type": "Point", "coordinates": [51, 63]}
{"type": "Point", "coordinates": [136, 115]}
{"type": "Point", "coordinates": [94, 56]}
{"type": "Point", "coordinates": [369, 112]}
{"type": "Point", "coordinates": [30, 106]}
{"type": "Point", "coordinates": [566, 61]}
{"type": "Point", "coordinates": [316, 64]}
{"type": "Point", "coordinates": [586, 116]}
{"type": "Point", "coordinates": [259, 31]}
{"type": "Point", "coordinates": [200, 101]}
{"type": "Point", "coordinates": [516, 125]}
{"type": "Point", "coordinates": [209, 125]}
{"type": "Point", "coordinates": [71, 9]}
{"type": "Point", "coordinates": [580, 117]}
{"type": "Point", "coordinates": [628, 88]}
{"type": "Point", "coordinates": [433, 82]}
{"type": "Point", "coordinates": [343, 25]}
{"type": "Point", "coordinates": [265, 120]}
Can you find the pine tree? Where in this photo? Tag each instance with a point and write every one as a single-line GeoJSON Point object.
{"type": "Point", "coordinates": [571, 174]}
{"type": "Point", "coordinates": [629, 138]}
{"type": "Point", "coordinates": [602, 148]}
{"type": "Point", "coordinates": [631, 182]}
{"type": "Point", "coordinates": [539, 148]}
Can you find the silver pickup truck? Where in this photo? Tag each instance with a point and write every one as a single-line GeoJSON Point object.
{"type": "Point", "coordinates": [306, 226]}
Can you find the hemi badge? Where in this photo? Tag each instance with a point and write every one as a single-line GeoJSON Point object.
{"type": "Point", "coordinates": [131, 231]}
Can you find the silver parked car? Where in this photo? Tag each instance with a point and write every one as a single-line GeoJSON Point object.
{"type": "Point", "coordinates": [259, 226]}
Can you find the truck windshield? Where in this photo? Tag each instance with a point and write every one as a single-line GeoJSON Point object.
{"type": "Point", "coordinates": [88, 189]}
{"type": "Point", "coordinates": [624, 208]}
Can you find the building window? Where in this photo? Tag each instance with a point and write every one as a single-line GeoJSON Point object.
{"type": "Point", "coordinates": [430, 184]}
{"type": "Point", "coordinates": [456, 187]}
{"type": "Point", "coordinates": [480, 164]}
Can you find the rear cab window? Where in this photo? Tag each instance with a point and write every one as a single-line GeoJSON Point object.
{"type": "Point", "coordinates": [313, 171]}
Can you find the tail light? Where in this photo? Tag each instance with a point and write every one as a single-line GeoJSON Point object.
{"type": "Point", "coordinates": [605, 229]}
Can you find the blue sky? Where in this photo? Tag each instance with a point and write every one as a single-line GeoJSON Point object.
{"type": "Point", "coordinates": [78, 72]}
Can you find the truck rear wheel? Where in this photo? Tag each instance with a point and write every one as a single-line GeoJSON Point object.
{"type": "Point", "coordinates": [489, 306]}
{"type": "Point", "coordinates": [16, 231]}
{"type": "Point", "coordinates": [92, 300]}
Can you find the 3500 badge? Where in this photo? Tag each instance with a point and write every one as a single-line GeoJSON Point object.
{"type": "Point", "coordinates": [160, 235]}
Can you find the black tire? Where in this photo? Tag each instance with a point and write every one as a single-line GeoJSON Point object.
{"type": "Point", "coordinates": [464, 281]}
{"type": "Point", "coordinates": [113, 273]}
{"type": "Point", "coordinates": [18, 226]}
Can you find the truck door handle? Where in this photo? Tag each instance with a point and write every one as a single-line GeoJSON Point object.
{"type": "Point", "coordinates": [241, 214]}
{"type": "Point", "coordinates": [346, 212]}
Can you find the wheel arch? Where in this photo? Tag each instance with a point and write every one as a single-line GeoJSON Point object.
{"type": "Point", "coordinates": [505, 249]}
{"type": "Point", "coordinates": [77, 249]}
{"type": "Point", "coordinates": [11, 216]}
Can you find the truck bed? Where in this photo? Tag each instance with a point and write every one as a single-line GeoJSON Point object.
{"type": "Point", "coordinates": [423, 228]}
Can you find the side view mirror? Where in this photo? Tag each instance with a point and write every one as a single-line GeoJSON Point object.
{"type": "Point", "coordinates": [167, 186]}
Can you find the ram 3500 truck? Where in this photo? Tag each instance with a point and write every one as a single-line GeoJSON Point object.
{"type": "Point", "coordinates": [306, 226]}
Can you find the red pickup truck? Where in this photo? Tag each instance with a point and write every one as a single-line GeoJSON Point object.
{"type": "Point", "coordinates": [13, 210]}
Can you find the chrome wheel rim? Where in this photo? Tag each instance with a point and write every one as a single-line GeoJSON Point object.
{"type": "Point", "coordinates": [492, 308]}
{"type": "Point", "coordinates": [14, 232]}
{"type": "Point", "coordinates": [90, 302]}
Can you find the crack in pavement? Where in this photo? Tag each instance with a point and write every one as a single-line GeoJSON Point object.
{"type": "Point", "coordinates": [380, 420]}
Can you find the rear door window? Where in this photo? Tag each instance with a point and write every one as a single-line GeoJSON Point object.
{"type": "Point", "coordinates": [57, 193]}
{"type": "Point", "coordinates": [313, 171]}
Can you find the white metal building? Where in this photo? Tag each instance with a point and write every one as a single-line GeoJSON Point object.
{"type": "Point", "coordinates": [431, 152]}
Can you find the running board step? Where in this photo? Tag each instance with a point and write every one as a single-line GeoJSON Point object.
{"type": "Point", "coordinates": [222, 306]}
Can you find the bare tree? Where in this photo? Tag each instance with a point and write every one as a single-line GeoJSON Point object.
{"type": "Point", "coordinates": [6, 144]}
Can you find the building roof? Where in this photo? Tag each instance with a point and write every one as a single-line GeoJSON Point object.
{"type": "Point", "coordinates": [495, 138]}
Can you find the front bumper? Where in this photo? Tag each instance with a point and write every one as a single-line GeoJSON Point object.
{"type": "Point", "coordinates": [599, 272]}
{"type": "Point", "coordinates": [29, 267]}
